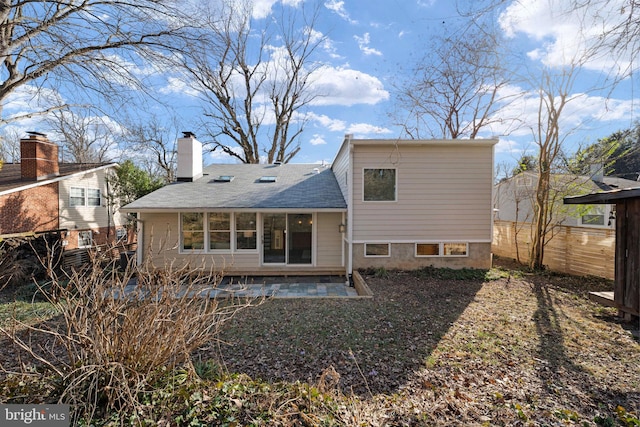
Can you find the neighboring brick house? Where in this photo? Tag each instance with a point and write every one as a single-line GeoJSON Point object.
{"type": "Point", "coordinates": [40, 194]}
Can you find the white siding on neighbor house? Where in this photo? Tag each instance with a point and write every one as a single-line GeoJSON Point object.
{"type": "Point", "coordinates": [444, 193]}
{"type": "Point", "coordinates": [87, 217]}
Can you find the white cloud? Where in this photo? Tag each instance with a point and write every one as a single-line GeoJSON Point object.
{"type": "Point", "coordinates": [344, 86]}
{"type": "Point", "coordinates": [333, 125]}
{"type": "Point", "coordinates": [337, 6]}
{"type": "Point", "coordinates": [570, 34]}
{"type": "Point", "coordinates": [367, 129]}
{"type": "Point", "coordinates": [363, 44]}
{"type": "Point", "coordinates": [176, 85]}
{"type": "Point", "coordinates": [262, 8]}
{"type": "Point", "coordinates": [582, 113]}
{"type": "Point", "coordinates": [317, 140]}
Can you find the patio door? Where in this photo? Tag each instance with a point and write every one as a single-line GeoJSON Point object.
{"type": "Point", "coordinates": [287, 238]}
{"type": "Point", "coordinates": [299, 238]}
{"type": "Point", "coordinates": [274, 242]}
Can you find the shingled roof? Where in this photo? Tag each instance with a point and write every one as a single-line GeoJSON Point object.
{"type": "Point", "coordinates": [296, 186]}
{"type": "Point", "coordinates": [11, 179]}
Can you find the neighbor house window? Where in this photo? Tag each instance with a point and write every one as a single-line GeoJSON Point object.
{"type": "Point", "coordinates": [219, 230]}
{"type": "Point", "coordinates": [79, 196]}
{"type": "Point", "coordinates": [427, 249]}
{"type": "Point", "coordinates": [121, 234]}
{"type": "Point", "coordinates": [76, 196]}
{"type": "Point", "coordinates": [594, 216]}
{"type": "Point", "coordinates": [377, 249]}
{"type": "Point", "coordinates": [85, 239]}
{"type": "Point", "coordinates": [192, 231]}
{"type": "Point", "coordinates": [379, 185]}
{"type": "Point", "coordinates": [455, 249]}
{"type": "Point", "coordinates": [93, 197]}
{"type": "Point", "coordinates": [246, 231]}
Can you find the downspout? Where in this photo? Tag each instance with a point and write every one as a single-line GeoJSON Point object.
{"type": "Point", "coordinates": [140, 234]}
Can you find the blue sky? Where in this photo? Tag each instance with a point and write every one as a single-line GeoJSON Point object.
{"type": "Point", "coordinates": [371, 45]}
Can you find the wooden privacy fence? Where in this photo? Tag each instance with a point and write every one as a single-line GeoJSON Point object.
{"type": "Point", "coordinates": [583, 251]}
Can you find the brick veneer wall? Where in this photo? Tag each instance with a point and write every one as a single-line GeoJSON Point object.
{"type": "Point", "coordinates": [34, 209]}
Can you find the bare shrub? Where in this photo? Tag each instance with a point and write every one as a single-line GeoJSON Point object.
{"type": "Point", "coordinates": [119, 332]}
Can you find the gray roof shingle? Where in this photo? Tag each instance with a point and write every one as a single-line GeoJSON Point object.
{"type": "Point", "coordinates": [298, 186]}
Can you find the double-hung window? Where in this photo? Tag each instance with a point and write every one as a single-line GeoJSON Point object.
{"type": "Point", "coordinates": [76, 196]}
{"type": "Point", "coordinates": [79, 196]}
{"type": "Point", "coordinates": [192, 231]}
{"type": "Point", "coordinates": [219, 230]}
{"type": "Point", "coordinates": [246, 231]}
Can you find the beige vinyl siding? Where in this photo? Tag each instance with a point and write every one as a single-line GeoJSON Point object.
{"type": "Point", "coordinates": [340, 167]}
{"type": "Point", "coordinates": [329, 240]}
{"type": "Point", "coordinates": [162, 238]}
{"type": "Point", "coordinates": [85, 217]}
{"type": "Point", "coordinates": [443, 193]}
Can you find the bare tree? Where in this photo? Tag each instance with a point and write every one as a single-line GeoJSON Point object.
{"type": "Point", "coordinates": [154, 144]}
{"type": "Point", "coordinates": [83, 43]}
{"type": "Point", "coordinates": [9, 146]}
{"type": "Point", "coordinates": [85, 137]}
{"type": "Point", "coordinates": [255, 81]}
{"type": "Point", "coordinates": [455, 90]}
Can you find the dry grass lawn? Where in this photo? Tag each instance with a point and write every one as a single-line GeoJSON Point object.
{"type": "Point", "coordinates": [521, 349]}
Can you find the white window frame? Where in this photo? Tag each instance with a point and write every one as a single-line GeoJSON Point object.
{"type": "Point", "coordinates": [73, 197]}
{"type": "Point", "coordinates": [378, 256]}
{"type": "Point", "coordinates": [441, 249]}
{"type": "Point", "coordinates": [395, 185]}
{"type": "Point", "coordinates": [206, 230]}
{"type": "Point", "coordinates": [81, 241]}
{"type": "Point", "coordinates": [606, 209]}
{"type": "Point", "coordinates": [205, 241]}
{"type": "Point", "coordinates": [99, 198]}
{"type": "Point", "coordinates": [235, 233]}
{"type": "Point", "coordinates": [85, 197]}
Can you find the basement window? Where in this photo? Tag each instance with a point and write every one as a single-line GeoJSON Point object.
{"type": "Point", "coordinates": [268, 179]}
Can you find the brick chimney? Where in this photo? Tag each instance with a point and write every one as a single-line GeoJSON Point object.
{"type": "Point", "coordinates": [39, 157]}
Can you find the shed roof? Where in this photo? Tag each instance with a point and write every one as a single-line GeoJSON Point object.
{"type": "Point", "coordinates": [604, 197]}
{"type": "Point", "coordinates": [296, 186]}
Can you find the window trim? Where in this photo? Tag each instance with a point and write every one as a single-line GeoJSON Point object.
{"type": "Point", "coordinates": [607, 208]}
{"type": "Point", "coordinates": [85, 197]}
{"type": "Point", "coordinates": [388, 255]}
{"type": "Point", "coordinates": [208, 232]}
{"type": "Point", "coordinates": [395, 185]}
{"type": "Point", "coordinates": [441, 249]}
{"type": "Point", "coordinates": [72, 197]}
{"type": "Point", "coordinates": [80, 233]}
{"type": "Point", "coordinates": [233, 232]}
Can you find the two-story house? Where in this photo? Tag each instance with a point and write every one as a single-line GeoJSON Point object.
{"type": "Point", "coordinates": [41, 194]}
{"type": "Point", "coordinates": [382, 203]}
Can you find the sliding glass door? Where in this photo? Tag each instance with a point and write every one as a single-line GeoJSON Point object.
{"type": "Point", "coordinates": [287, 238]}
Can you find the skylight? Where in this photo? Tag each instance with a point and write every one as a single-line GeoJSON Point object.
{"type": "Point", "coordinates": [224, 178]}
{"type": "Point", "coordinates": [268, 179]}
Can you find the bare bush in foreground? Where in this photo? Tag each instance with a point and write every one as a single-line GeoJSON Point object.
{"type": "Point", "coordinates": [118, 332]}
